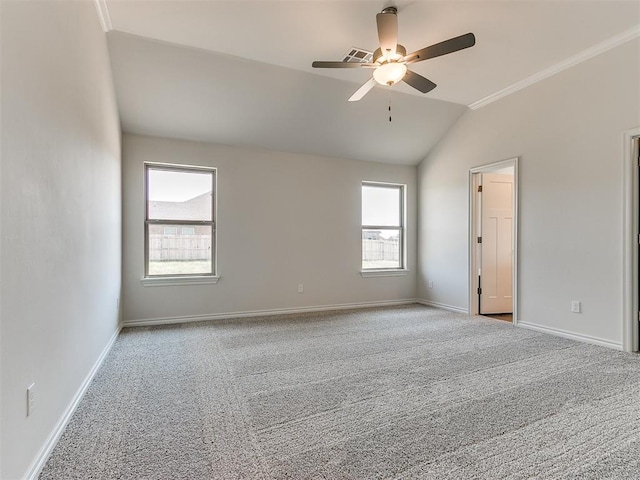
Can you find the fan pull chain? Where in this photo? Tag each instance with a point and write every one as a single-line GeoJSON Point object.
{"type": "Point", "coordinates": [389, 105]}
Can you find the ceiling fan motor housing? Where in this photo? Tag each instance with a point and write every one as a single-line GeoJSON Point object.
{"type": "Point", "coordinates": [400, 53]}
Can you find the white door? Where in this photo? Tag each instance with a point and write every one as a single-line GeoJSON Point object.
{"type": "Point", "coordinates": [496, 270]}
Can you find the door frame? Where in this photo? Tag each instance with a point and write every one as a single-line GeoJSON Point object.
{"type": "Point", "coordinates": [473, 205]}
{"type": "Point", "coordinates": [631, 242]}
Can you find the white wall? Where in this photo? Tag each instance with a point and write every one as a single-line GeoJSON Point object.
{"type": "Point", "coordinates": [61, 215]}
{"type": "Point", "coordinates": [283, 219]}
{"type": "Point", "coordinates": [567, 131]}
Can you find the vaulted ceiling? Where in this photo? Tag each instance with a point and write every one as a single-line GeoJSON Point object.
{"type": "Point", "coordinates": [239, 72]}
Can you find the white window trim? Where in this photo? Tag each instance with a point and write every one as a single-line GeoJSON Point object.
{"type": "Point", "coordinates": [162, 280]}
{"type": "Point", "coordinates": [392, 272]}
{"type": "Point", "coordinates": [173, 281]}
{"type": "Point", "coordinates": [387, 272]}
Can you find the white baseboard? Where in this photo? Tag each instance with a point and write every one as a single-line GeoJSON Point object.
{"type": "Point", "coordinates": [47, 447]}
{"type": "Point", "coordinates": [571, 335]}
{"type": "Point", "coordinates": [443, 306]}
{"type": "Point", "coordinates": [261, 313]}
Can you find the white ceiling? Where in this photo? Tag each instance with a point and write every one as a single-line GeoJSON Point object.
{"type": "Point", "coordinates": [239, 72]}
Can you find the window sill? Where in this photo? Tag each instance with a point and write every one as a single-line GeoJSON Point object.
{"type": "Point", "coordinates": [171, 281]}
{"type": "Point", "coordinates": [384, 273]}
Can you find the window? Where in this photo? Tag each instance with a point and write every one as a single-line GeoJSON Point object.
{"type": "Point", "coordinates": [383, 234]}
{"type": "Point", "coordinates": [179, 222]}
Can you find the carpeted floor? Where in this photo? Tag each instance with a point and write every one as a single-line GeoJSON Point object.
{"type": "Point", "coordinates": [395, 393]}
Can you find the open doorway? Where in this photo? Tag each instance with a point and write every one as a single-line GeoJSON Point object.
{"type": "Point", "coordinates": [493, 240]}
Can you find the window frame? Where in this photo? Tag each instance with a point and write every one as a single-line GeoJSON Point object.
{"type": "Point", "coordinates": [402, 227]}
{"type": "Point", "coordinates": [184, 278]}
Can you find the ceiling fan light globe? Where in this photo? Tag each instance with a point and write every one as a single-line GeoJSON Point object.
{"type": "Point", "coordinates": [390, 73]}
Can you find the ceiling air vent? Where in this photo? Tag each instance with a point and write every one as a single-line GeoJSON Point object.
{"type": "Point", "coordinates": [357, 55]}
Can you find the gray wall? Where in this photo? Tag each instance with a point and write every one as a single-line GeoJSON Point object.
{"type": "Point", "coordinates": [61, 215]}
{"type": "Point", "coordinates": [283, 219]}
{"type": "Point", "coordinates": [568, 132]}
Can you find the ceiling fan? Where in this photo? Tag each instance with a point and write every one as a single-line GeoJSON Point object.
{"type": "Point", "coordinates": [390, 60]}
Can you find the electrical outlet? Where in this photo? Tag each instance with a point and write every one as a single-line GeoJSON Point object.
{"type": "Point", "coordinates": [575, 306]}
{"type": "Point", "coordinates": [300, 288]}
{"type": "Point", "coordinates": [31, 399]}
{"type": "Point", "coordinates": [430, 284]}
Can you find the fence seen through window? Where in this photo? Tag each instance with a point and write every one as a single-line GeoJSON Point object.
{"type": "Point", "coordinates": [382, 226]}
{"type": "Point", "coordinates": [179, 225]}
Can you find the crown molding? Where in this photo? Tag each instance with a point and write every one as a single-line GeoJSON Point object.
{"type": "Point", "coordinates": [103, 15]}
{"type": "Point", "coordinates": [591, 52]}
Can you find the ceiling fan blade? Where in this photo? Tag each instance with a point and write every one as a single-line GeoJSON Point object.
{"type": "Point", "coordinates": [387, 31]}
{"type": "Point", "coordinates": [443, 48]}
{"type": "Point", "coordinates": [418, 82]}
{"type": "Point", "coordinates": [363, 90]}
{"type": "Point", "coordinates": [320, 64]}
